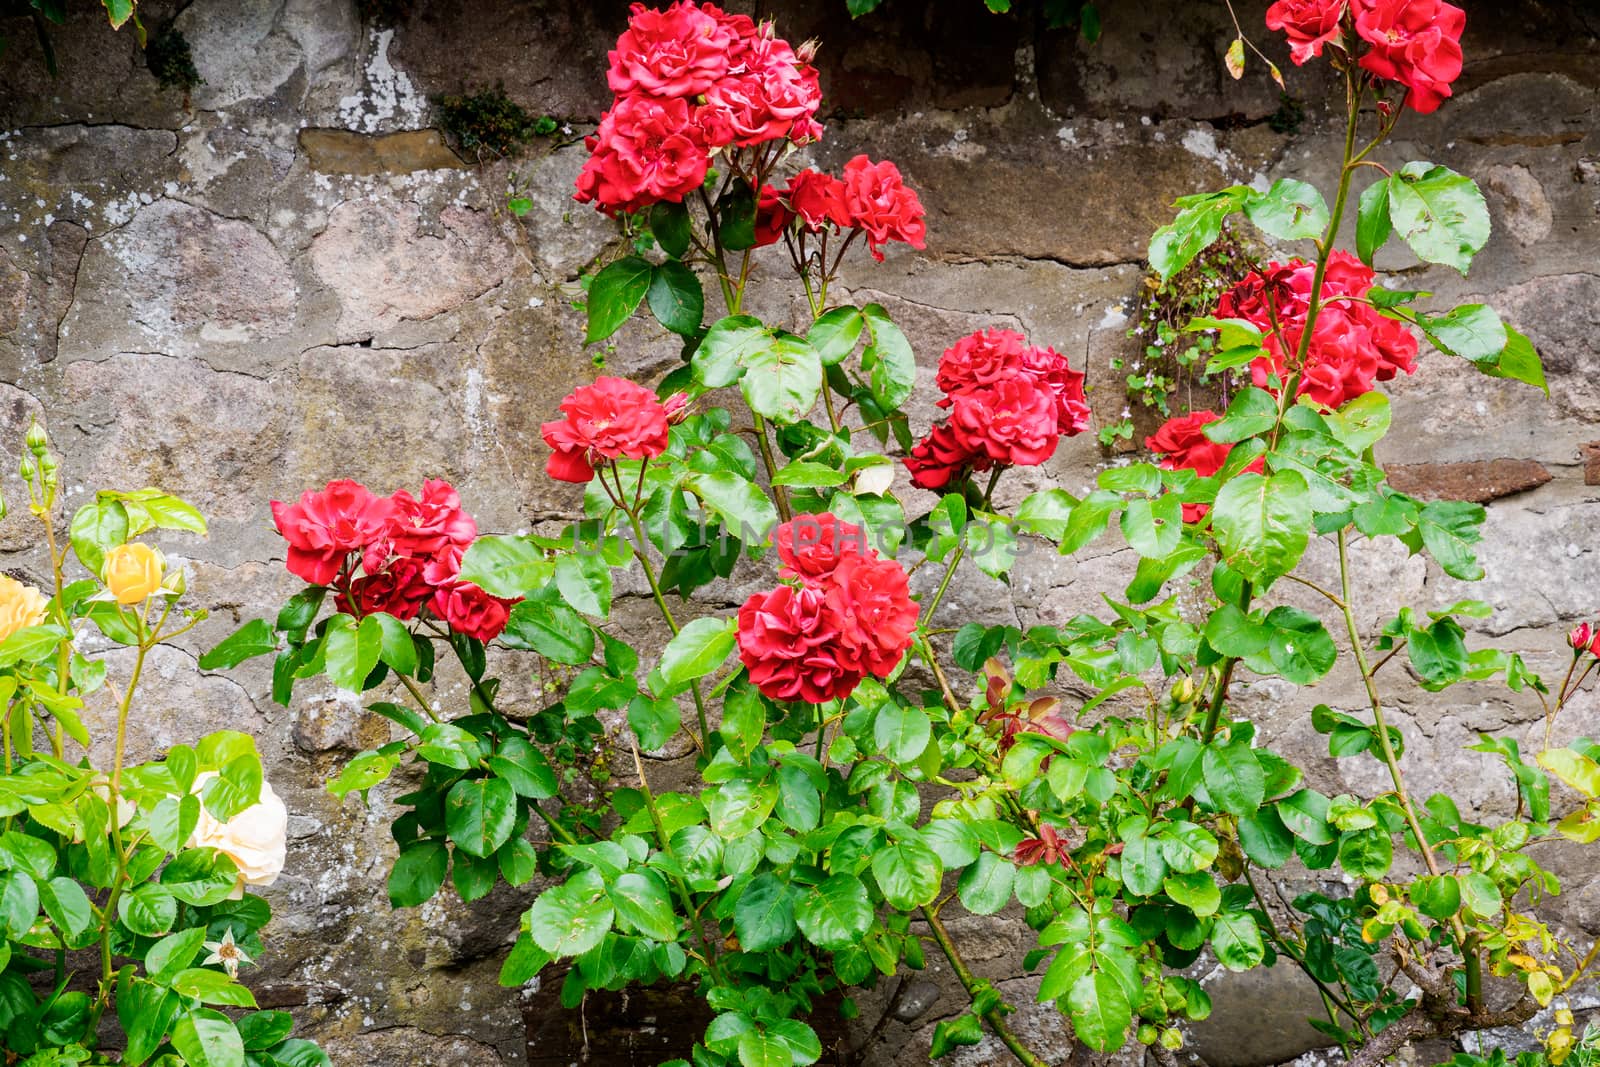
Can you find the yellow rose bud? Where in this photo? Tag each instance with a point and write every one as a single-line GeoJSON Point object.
{"type": "Point", "coordinates": [133, 572]}
{"type": "Point", "coordinates": [20, 606]}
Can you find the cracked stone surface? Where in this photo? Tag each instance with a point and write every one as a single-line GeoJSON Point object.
{"type": "Point", "coordinates": [289, 276]}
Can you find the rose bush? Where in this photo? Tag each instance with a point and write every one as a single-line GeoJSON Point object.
{"type": "Point", "coordinates": [1137, 828]}
{"type": "Point", "coordinates": [123, 910]}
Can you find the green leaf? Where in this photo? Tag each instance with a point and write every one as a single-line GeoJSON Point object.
{"type": "Point", "coordinates": [1196, 891]}
{"type": "Point", "coordinates": [739, 806]}
{"type": "Point", "coordinates": [835, 914]}
{"type": "Point", "coordinates": [736, 216]}
{"type": "Point", "coordinates": [207, 1038]}
{"type": "Point", "coordinates": [573, 917]}
{"type": "Point", "coordinates": [654, 722]}
{"type": "Point", "coordinates": [901, 733]}
{"type": "Point", "coordinates": [1197, 225]}
{"type": "Point", "coordinates": [676, 297]}
{"type": "Point", "coordinates": [200, 876]}
{"type": "Point", "coordinates": [1480, 894]}
{"type": "Point", "coordinates": [1291, 210]}
{"type": "Point", "coordinates": [352, 651]}
{"type": "Point", "coordinates": [757, 1049]}
{"type": "Point", "coordinates": [614, 294]}
{"type": "Point", "coordinates": [1471, 331]}
{"type": "Point", "coordinates": [418, 873]}
{"type": "Point", "coordinates": [261, 1030]}
{"type": "Point", "coordinates": [212, 987]}
{"type": "Point", "coordinates": [695, 651]}
{"type": "Point", "coordinates": [1439, 213]}
{"type": "Point", "coordinates": [553, 630]}
{"type": "Point", "coordinates": [763, 915]}
{"type": "Point", "coordinates": [723, 352]}
{"type": "Point", "coordinates": [506, 566]}
{"type": "Point", "coordinates": [1305, 813]}
{"type": "Point", "coordinates": [672, 228]}
{"type": "Point", "coordinates": [1362, 422]}
{"type": "Point", "coordinates": [954, 1033]}
{"type": "Point", "coordinates": [1262, 525]}
{"type": "Point", "coordinates": [1299, 645]}
{"type": "Point", "coordinates": [1188, 847]}
{"type": "Point", "coordinates": [1372, 221]}
{"type": "Point", "coordinates": [1100, 1010]}
{"type": "Point", "coordinates": [173, 953]}
{"type": "Point", "coordinates": [739, 502]}
{"type": "Point", "coordinates": [1449, 528]}
{"type": "Point", "coordinates": [396, 648]}
{"type": "Point", "coordinates": [362, 773]}
{"type": "Point", "coordinates": [149, 910]}
{"type": "Point", "coordinates": [254, 638]}
{"type": "Point", "coordinates": [449, 746]}
{"type": "Point", "coordinates": [1153, 527]}
{"type": "Point", "coordinates": [782, 378]}
{"type": "Point", "coordinates": [1265, 839]}
{"type": "Point", "coordinates": [584, 581]}
{"type": "Point", "coordinates": [1578, 771]}
{"type": "Point", "coordinates": [1518, 360]}
{"type": "Point", "coordinates": [744, 721]}
{"type": "Point", "coordinates": [31, 644]}
{"type": "Point", "coordinates": [985, 887]}
{"type": "Point", "coordinates": [641, 901]}
{"type": "Point", "coordinates": [1234, 778]}
{"type": "Point", "coordinates": [1436, 897]}
{"type": "Point", "coordinates": [1367, 853]}
{"type": "Point", "coordinates": [479, 814]}
{"type": "Point", "coordinates": [1252, 411]}
{"type": "Point", "coordinates": [67, 906]}
{"type": "Point", "coordinates": [1143, 866]}
{"type": "Point", "coordinates": [96, 529]}
{"type": "Point", "coordinates": [890, 364]}
{"type": "Point", "coordinates": [835, 333]}
{"type": "Point", "coordinates": [1236, 940]}
{"type": "Point", "coordinates": [807, 475]}
{"type": "Point", "coordinates": [908, 874]}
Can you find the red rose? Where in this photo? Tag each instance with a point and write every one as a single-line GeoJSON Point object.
{"type": "Point", "coordinates": [1414, 42]}
{"type": "Point", "coordinates": [812, 546]}
{"type": "Point", "coordinates": [1183, 444]}
{"type": "Point", "coordinates": [942, 457]}
{"type": "Point", "coordinates": [1012, 422]}
{"type": "Point", "coordinates": [471, 611]}
{"type": "Point", "coordinates": [871, 602]}
{"type": "Point", "coordinates": [324, 528]}
{"type": "Point", "coordinates": [818, 199]}
{"type": "Point", "coordinates": [428, 526]}
{"type": "Point", "coordinates": [980, 359]}
{"type": "Point", "coordinates": [612, 418]}
{"type": "Point", "coordinates": [881, 205]}
{"type": "Point", "coordinates": [772, 218]}
{"type": "Point", "coordinates": [401, 589]}
{"type": "Point", "coordinates": [768, 95]}
{"type": "Point", "coordinates": [677, 52]}
{"type": "Point", "coordinates": [646, 150]}
{"type": "Point", "coordinates": [1309, 24]}
{"type": "Point", "coordinates": [788, 641]}
{"type": "Point", "coordinates": [1050, 369]}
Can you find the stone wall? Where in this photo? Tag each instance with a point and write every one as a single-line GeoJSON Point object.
{"type": "Point", "coordinates": [288, 276]}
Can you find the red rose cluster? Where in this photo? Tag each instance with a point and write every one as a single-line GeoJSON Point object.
{"type": "Point", "coordinates": [1416, 43]}
{"type": "Point", "coordinates": [850, 615]}
{"type": "Point", "coordinates": [613, 418]}
{"type": "Point", "coordinates": [1352, 346]}
{"type": "Point", "coordinates": [407, 548]}
{"type": "Point", "coordinates": [1183, 445]}
{"type": "Point", "coordinates": [872, 198]}
{"type": "Point", "coordinates": [690, 80]}
{"type": "Point", "coordinates": [1009, 405]}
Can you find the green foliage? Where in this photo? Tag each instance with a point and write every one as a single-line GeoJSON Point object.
{"type": "Point", "coordinates": [170, 60]}
{"type": "Point", "coordinates": [488, 123]}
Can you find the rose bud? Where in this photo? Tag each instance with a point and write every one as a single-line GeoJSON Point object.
{"type": "Point", "coordinates": [133, 572]}
{"type": "Point", "coordinates": [677, 406]}
{"type": "Point", "coordinates": [1580, 636]}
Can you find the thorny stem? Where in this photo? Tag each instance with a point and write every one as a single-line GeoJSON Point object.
{"type": "Point", "coordinates": [970, 983]}
{"type": "Point", "coordinates": [689, 910]}
{"type": "Point", "coordinates": [1468, 943]}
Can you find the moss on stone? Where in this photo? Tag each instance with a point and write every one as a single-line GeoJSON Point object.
{"type": "Point", "coordinates": [489, 123]}
{"type": "Point", "coordinates": [169, 58]}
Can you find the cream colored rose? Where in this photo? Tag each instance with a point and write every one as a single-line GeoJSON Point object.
{"type": "Point", "coordinates": [255, 839]}
{"type": "Point", "coordinates": [21, 606]}
{"type": "Point", "coordinates": [133, 572]}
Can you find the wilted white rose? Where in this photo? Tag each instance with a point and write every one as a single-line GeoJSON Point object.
{"type": "Point", "coordinates": [255, 839]}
